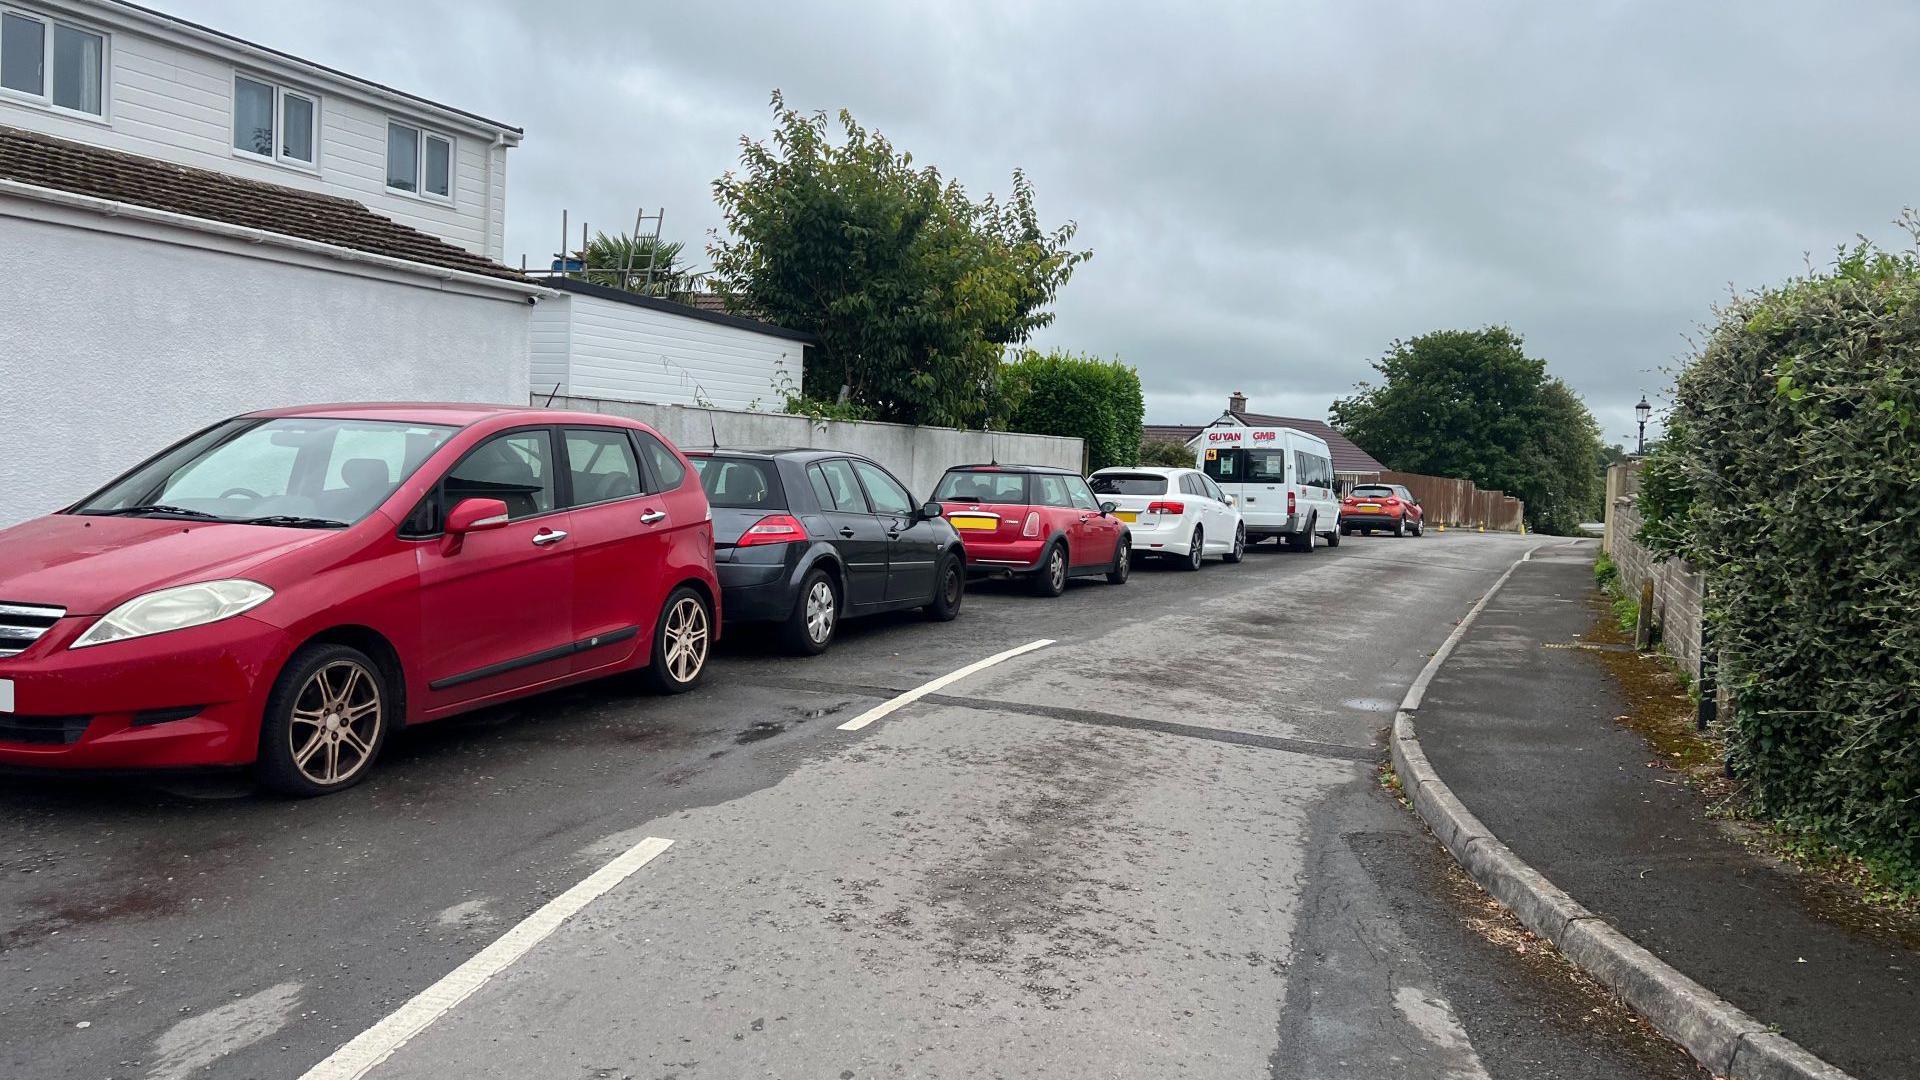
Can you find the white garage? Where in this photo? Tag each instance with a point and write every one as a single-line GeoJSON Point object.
{"type": "Point", "coordinates": [146, 300]}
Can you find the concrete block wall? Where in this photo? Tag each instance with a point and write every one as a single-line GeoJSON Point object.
{"type": "Point", "coordinates": [1677, 587]}
{"type": "Point", "coordinates": [917, 455]}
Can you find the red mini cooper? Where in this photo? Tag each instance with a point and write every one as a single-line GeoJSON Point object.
{"type": "Point", "coordinates": [287, 588]}
{"type": "Point", "coordinates": [1034, 522]}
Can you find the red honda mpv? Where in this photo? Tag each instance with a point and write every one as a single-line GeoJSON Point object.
{"type": "Point", "coordinates": [286, 588]}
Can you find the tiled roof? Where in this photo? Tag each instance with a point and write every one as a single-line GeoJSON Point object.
{"type": "Point", "coordinates": [1347, 457]}
{"type": "Point", "coordinates": [43, 161]}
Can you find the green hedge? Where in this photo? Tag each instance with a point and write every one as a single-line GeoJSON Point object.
{"type": "Point", "coordinates": [1060, 393]}
{"type": "Point", "coordinates": [1791, 478]}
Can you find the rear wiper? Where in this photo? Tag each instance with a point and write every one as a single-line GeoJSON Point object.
{"type": "Point", "coordinates": [293, 521]}
{"type": "Point", "coordinates": [157, 508]}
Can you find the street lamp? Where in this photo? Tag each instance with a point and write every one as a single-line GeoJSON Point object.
{"type": "Point", "coordinates": [1643, 411]}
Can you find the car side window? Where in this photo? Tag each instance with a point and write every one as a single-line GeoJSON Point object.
{"type": "Point", "coordinates": [1190, 484]}
{"type": "Point", "coordinates": [1213, 490]}
{"type": "Point", "coordinates": [836, 486]}
{"type": "Point", "coordinates": [1050, 490]}
{"type": "Point", "coordinates": [886, 494]}
{"type": "Point", "coordinates": [665, 465]}
{"type": "Point", "coordinates": [602, 465]}
{"type": "Point", "coordinates": [1081, 495]}
{"type": "Point", "coordinates": [516, 468]}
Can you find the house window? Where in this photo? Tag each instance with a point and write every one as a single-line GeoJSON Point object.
{"type": "Point", "coordinates": [419, 161]}
{"type": "Point", "coordinates": [274, 123]}
{"type": "Point", "coordinates": [52, 62]}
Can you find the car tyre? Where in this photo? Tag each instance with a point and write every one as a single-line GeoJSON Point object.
{"type": "Point", "coordinates": [682, 640]}
{"type": "Point", "coordinates": [1333, 539]}
{"type": "Point", "coordinates": [1196, 551]}
{"type": "Point", "coordinates": [326, 722]}
{"type": "Point", "coordinates": [1122, 562]}
{"type": "Point", "coordinates": [815, 617]}
{"type": "Point", "coordinates": [1419, 528]}
{"type": "Point", "coordinates": [948, 591]}
{"type": "Point", "coordinates": [1051, 578]}
{"type": "Point", "coordinates": [1400, 526]}
{"type": "Point", "coordinates": [1306, 539]}
{"type": "Point", "coordinates": [1239, 545]}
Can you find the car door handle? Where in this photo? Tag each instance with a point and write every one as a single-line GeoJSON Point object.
{"type": "Point", "coordinates": [846, 534]}
{"type": "Point", "coordinates": [545, 538]}
{"type": "Point", "coordinates": [652, 516]}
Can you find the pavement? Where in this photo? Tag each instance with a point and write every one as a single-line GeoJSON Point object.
{"type": "Point", "coordinates": [1520, 724]}
{"type": "Point", "coordinates": [1156, 848]}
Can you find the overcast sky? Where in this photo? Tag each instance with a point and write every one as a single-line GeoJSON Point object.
{"type": "Point", "coordinates": [1273, 192]}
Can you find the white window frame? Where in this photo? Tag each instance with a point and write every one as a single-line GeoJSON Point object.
{"type": "Point", "coordinates": [44, 99]}
{"type": "Point", "coordinates": [281, 92]}
{"type": "Point", "coordinates": [420, 163]}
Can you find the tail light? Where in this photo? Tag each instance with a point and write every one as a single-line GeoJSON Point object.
{"type": "Point", "coordinates": [1032, 527]}
{"type": "Point", "coordinates": [1350, 501]}
{"type": "Point", "coordinates": [1391, 501]}
{"type": "Point", "coordinates": [773, 529]}
{"type": "Point", "coordinates": [1173, 508]}
{"type": "Point", "coordinates": [1289, 502]}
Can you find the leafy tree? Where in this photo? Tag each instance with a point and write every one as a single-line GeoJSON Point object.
{"type": "Point", "coordinates": [1097, 400]}
{"type": "Point", "coordinates": [913, 288]}
{"type": "Point", "coordinates": [1166, 452]}
{"type": "Point", "coordinates": [1472, 404]}
{"type": "Point", "coordinates": [619, 261]}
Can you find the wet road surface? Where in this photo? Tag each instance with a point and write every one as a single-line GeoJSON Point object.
{"type": "Point", "coordinates": [1155, 848]}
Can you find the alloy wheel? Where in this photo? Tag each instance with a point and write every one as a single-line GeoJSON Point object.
{"type": "Point", "coordinates": [1196, 550]}
{"type": "Point", "coordinates": [820, 611]}
{"type": "Point", "coordinates": [686, 639]}
{"type": "Point", "coordinates": [338, 712]}
{"type": "Point", "coordinates": [1057, 571]}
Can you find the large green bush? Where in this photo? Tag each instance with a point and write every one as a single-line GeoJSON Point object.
{"type": "Point", "coordinates": [1791, 478]}
{"type": "Point", "coordinates": [1060, 393]}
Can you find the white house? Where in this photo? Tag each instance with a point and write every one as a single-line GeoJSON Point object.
{"type": "Point", "coordinates": [601, 343]}
{"type": "Point", "coordinates": [196, 226]}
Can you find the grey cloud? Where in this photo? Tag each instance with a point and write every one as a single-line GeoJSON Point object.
{"type": "Point", "coordinates": [1274, 192]}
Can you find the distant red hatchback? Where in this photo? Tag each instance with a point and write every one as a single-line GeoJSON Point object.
{"type": "Point", "coordinates": [286, 588]}
{"type": "Point", "coordinates": [1382, 506]}
{"type": "Point", "coordinates": [1034, 522]}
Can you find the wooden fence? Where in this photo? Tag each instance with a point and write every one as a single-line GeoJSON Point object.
{"type": "Point", "coordinates": [1454, 503]}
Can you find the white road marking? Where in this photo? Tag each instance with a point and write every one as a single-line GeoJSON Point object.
{"type": "Point", "coordinates": [946, 680]}
{"type": "Point", "coordinates": [1434, 1019]}
{"type": "Point", "coordinates": [377, 1043]}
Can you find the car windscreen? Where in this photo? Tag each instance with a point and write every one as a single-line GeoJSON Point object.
{"type": "Point", "coordinates": [740, 483]}
{"type": "Point", "coordinates": [288, 470]}
{"type": "Point", "coordinates": [1128, 484]}
{"type": "Point", "coordinates": [1373, 491]}
{"type": "Point", "coordinates": [1247, 466]}
{"type": "Point", "coordinates": [982, 486]}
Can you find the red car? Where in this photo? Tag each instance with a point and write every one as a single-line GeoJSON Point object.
{"type": "Point", "coordinates": [1381, 506]}
{"type": "Point", "coordinates": [1035, 522]}
{"type": "Point", "coordinates": [286, 588]}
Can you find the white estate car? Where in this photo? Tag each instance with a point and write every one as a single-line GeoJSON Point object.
{"type": "Point", "coordinates": [1282, 479]}
{"type": "Point", "coordinates": [1173, 512]}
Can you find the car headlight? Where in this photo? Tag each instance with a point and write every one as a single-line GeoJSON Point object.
{"type": "Point", "coordinates": [175, 609]}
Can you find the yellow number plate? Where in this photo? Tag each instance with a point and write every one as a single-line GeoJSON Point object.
{"type": "Point", "coordinates": [1126, 515]}
{"type": "Point", "coordinates": [973, 521]}
{"type": "Point", "coordinates": [1368, 506]}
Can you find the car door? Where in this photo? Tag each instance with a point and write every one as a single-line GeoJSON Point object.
{"type": "Point", "coordinates": [496, 607]}
{"type": "Point", "coordinates": [1102, 531]}
{"type": "Point", "coordinates": [855, 532]}
{"type": "Point", "coordinates": [913, 546]}
{"type": "Point", "coordinates": [619, 545]}
{"type": "Point", "coordinates": [1229, 517]}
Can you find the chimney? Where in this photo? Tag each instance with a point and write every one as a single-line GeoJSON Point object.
{"type": "Point", "coordinates": [1237, 403]}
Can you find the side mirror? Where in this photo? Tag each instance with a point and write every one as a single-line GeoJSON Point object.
{"type": "Point", "coordinates": [930, 511]}
{"type": "Point", "coordinates": [1109, 507]}
{"type": "Point", "coordinates": [476, 515]}
{"type": "Point", "coordinates": [1233, 500]}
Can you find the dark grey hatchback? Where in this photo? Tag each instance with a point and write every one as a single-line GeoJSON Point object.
{"type": "Point", "coordinates": [805, 538]}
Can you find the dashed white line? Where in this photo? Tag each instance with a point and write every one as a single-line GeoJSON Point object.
{"type": "Point", "coordinates": [943, 681]}
{"type": "Point", "coordinates": [377, 1043]}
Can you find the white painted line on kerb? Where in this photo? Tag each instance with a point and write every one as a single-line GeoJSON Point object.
{"type": "Point", "coordinates": [377, 1043]}
{"type": "Point", "coordinates": [948, 679]}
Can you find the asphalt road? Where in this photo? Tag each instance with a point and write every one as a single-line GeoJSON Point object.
{"type": "Point", "coordinates": [1156, 848]}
